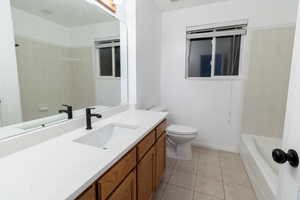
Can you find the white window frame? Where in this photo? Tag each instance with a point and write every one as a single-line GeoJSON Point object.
{"type": "Point", "coordinates": [214, 26]}
{"type": "Point", "coordinates": [112, 44]}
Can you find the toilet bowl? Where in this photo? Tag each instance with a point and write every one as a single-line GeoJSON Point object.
{"type": "Point", "coordinates": [179, 139]}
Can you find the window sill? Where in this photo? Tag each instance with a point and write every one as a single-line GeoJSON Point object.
{"type": "Point", "coordinates": [216, 78]}
{"type": "Point", "coordinates": [108, 78]}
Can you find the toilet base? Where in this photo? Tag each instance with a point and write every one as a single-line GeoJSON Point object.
{"type": "Point", "coordinates": [180, 151]}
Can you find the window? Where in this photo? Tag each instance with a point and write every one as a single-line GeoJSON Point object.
{"type": "Point", "coordinates": [214, 51]}
{"type": "Point", "coordinates": [109, 59]}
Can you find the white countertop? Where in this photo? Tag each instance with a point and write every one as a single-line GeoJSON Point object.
{"type": "Point", "coordinates": [24, 127]}
{"type": "Point", "coordinates": [61, 169]}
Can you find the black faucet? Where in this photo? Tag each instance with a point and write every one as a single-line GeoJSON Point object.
{"type": "Point", "coordinates": [69, 111]}
{"type": "Point", "coordinates": [89, 116]}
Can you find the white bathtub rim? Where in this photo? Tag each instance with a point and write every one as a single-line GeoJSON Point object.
{"type": "Point", "coordinates": [267, 172]}
{"type": "Point", "coordinates": [262, 151]}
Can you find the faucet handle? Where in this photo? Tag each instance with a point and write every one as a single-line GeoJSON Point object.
{"type": "Point", "coordinates": [65, 105]}
{"type": "Point", "coordinates": [89, 110]}
{"type": "Point", "coordinates": [69, 111]}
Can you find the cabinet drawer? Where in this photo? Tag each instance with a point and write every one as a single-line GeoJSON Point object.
{"type": "Point", "coordinates": [145, 144]}
{"type": "Point", "coordinates": [108, 183]}
{"type": "Point", "coordinates": [89, 194]}
{"type": "Point", "coordinates": [160, 129]}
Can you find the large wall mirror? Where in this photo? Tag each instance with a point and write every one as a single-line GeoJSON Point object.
{"type": "Point", "coordinates": [68, 52]}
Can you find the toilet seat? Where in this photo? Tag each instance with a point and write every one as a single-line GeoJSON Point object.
{"type": "Point", "coordinates": [175, 129]}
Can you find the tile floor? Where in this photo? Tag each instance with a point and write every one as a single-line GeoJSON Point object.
{"type": "Point", "coordinates": [211, 175]}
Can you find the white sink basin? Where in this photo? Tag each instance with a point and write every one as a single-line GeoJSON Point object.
{"type": "Point", "coordinates": [108, 136]}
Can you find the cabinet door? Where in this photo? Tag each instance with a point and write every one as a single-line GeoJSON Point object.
{"type": "Point", "coordinates": [144, 146]}
{"type": "Point", "coordinates": [127, 189]}
{"type": "Point", "coordinates": [146, 176]}
{"type": "Point", "coordinates": [89, 194]}
{"type": "Point", "coordinates": [161, 128]}
{"type": "Point", "coordinates": [110, 181]}
{"type": "Point", "coordinates": [160, 158]}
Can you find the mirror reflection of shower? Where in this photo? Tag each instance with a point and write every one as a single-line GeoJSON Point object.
{"type": "Point", "coordinates": [58, 63]}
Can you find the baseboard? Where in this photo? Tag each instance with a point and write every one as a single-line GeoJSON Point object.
{"type": "Point", "coordinates": [233, 149]}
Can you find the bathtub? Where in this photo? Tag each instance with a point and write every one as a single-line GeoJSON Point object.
{"type": "Point", "coordinates": [256, 153]}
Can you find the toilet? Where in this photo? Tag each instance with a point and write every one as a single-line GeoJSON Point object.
{"type": "Point", "coordinates": [179, 139]}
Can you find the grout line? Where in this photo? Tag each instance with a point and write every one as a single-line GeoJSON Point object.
{"type": "Point", "coordinates": [163, 191]}
{"type": "Point", "coordinates": [244, 167]}
{"type": "Point", "coordinates": [222, 176]}
{"type": "Point", "coordinates": [237, 184]}
{"type": "Point", "coordinates": [208, 195]}
{"type": "Point", "coordinates": [221, 179]}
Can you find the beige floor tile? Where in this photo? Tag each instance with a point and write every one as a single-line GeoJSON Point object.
{"type": "Point", "coordinates": [236, 178]}
{"type": "Point", "coordinates": [188, 166]}
{"type": "Point", "coordinates": [200, 196]}
{"type": "Point", "coordinates": [224, 155]}
{"type": "Point", "coordinates": [212, 161]}
{"type": "Point", "coordinates": [183, 179]}
{"type": "Point", "coordinates": [204, 152]}
{"type": "Point", "coordinates": [239, 193]}
{"type": "Point", "coordinates": [236, 164]}
{"type": "Point", "coordinates": [209, 171]}
{"type": "Point", "coordinates": [167, 175]}
{"type": "Point", "coordinates": [173, 192]}
{"type": "Point", "coordinates": [208, 156]}
{"type": "Point", "coordinates": [209, 186]}
{"type": "Point", "coordinates": [171, 163]}
{"type": "Point", "coordinates": [205, 174]}
{"type": "Point", "coordinates": [159, 192]}
{"type": "Point", "coordinates": [234, 173]}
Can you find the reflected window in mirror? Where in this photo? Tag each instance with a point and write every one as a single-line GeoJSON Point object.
{"type": "Point", "coordinates": [109, 62]}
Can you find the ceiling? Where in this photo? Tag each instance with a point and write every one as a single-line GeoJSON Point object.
{"type": "Point", "coordinates": [69, 13]}
{"type": "Point", "coordinates": [177, 4]}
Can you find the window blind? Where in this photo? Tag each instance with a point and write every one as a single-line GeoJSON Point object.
{"type": "Point", "coordinates": [107, 43]}
{"type": "Point", "coordinates": [217, 32]}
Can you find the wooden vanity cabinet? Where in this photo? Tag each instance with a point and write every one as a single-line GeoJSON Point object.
{"type": "Point", "coordinates": [111, 179]}
{"type": "Point", "coordinates": [146, 175]}
{"type": "Point", "coordinates": [137, 175]}
{"type": "Point", "coordinates": [161, 128]}
{"type": "Point", "coordinates": [160, 147]}
{"type": "Point", "coordinates": [127, 189]}
{"type": "Point", "coordinates": [89, 194]}
{"type": "Point", "coordinates": [144, 146]}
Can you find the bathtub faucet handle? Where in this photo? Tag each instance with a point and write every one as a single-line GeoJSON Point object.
{"type": "Point", "coordinates": [281, 157]}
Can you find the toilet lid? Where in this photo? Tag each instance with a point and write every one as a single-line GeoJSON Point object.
{"type": "Point", "coordinates": [181, 130]}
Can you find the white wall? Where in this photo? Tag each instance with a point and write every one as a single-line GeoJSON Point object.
{"type": "Point", "coordinates": [148, 45]}
{"type": "Point", "coordinates": [32, 26]}
{"type": "Point", "coordinates": [213, 107]}
{"type": "Point", "coordinates": [9, 85]}
{"type": "Point", "coordinates": [86, 35]}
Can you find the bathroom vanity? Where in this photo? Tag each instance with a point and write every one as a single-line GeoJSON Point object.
{"type": "Point", "coordinates": [136, 175]}
{"type": "Point", "coordinates": [128, 164]}
{"type": "Point", "coordinates": [79, 59]}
